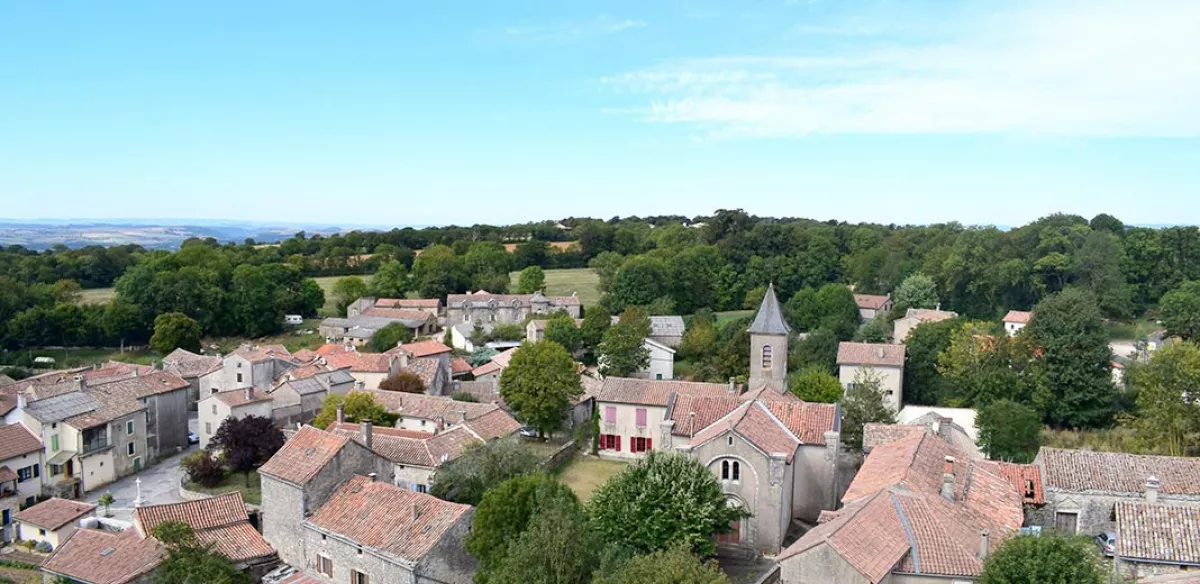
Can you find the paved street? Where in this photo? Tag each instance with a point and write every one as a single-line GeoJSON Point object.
{"type": "Point", "coordinates": [160, 484]}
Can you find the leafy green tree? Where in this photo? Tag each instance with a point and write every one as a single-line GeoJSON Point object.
{"type": "Point", "coordinates": [357, 407]}
{"type": "Point", "coordinates": [1106, 222]}
{"type": "Point", "coordinates": [864, 403]}
{"type": "Point", "coordinates": [674, 566]}
{"type": "Point", "coordinates": [981, 365]}
{"type": "Point", "coordinates": [247, 442]}
{"type": "Point", "coordinates": [539, 384]}
{"type": "Point", "coordinates": [916, 291]}
{"type": "Point", "coordinates": [531, 253]}
{"type": "Point", "coordinates": [188, 561]}
{"type": "Point", "coordinates": [487, 264]}
{"type": "Point", "coordinates": [1180, 309]}
{"type": "Point", "coordinates": [107, 500]}
{"type": "Point", "coordinates": [480, 468]}
{"type": "Point", "coordinates": [1167, 417]}
{"type": "Point", "coordinates": [662, 501]}
{"type": "Point", "coordinates": [923, 383]}
{"type": "Point", "coordinates": [562, 330]}
{"type": "Point", "coordinates": [347, 290]}
{"type": "Point", "coordinates": [1044, 559]}
{"type": "Point", "coordinates": [1073, 379]}
{"type": "Point", "coordinates": [438, 272]}
{"type": "Point", "coordinates": [1009, 431]}
{"type": "Point", "coordinates": [876, 330]}
{"type": "Point", "coordinates": [605, 265]}
{"type": "Point", "coordinates": [558, 547]}
{"type": "Point", "coordinates": [1097, 266]}
{"type": "Point", "coordinates": [531, 279]}
{"type": "Point", "coordinates": [253, 302]}
{"type": "Point", "coordinates": [693, 281]}
{"type": "Point", "coordinates": [386, 338]}
{"type": "Point", "coordinates": [815, 384]}
{"type": "Point", "coordinates": [311, 298]}
{"type": "Point", "coordinates": [175, 330]}
{"type": "Point", "coordinates": [389, 281]}
{"type": "Point", "coordinates": [505, 512]}
{"type": "Point", "coordinates": [638, 282]}
{"type": "Point", "coordinates": [818, 349]}
{"type": "Point", "coordinates": [481, 355]}
{"type": "Point", "coordinates": [596, 322]}
{"type": "Point", "coordinates": [700, 338]}
{"type": "Point", "coordinates": [803, 311]}
{"type": "Point", "coordinates": [623, 350]}
{"type": "Point", "coordinates": [404, 381]}
{"type": "Point", "coordinates": [67, 292]}
{"type": "Point", "coordinates": [839, 311]}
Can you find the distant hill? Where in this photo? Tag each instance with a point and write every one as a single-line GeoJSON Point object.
{"type": "Point", "coordinates": [149, 233]}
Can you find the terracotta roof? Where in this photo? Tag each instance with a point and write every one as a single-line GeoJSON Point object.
{"type": "Point", "coordinates": [1018, 316]}
{"type": "Point", "coordinates": [503, 358]}
{"type": "Point", "coordinates": [494, 424]}
{"type": "Point", "coordinates": [305, 355]}
{"type": "Point", "coordinates": [354, 511]}
{"type": "Point", "coordinates": [692, 414]}
{"type": "Point", "coordinates": [331, 349]}
{"type": "Point", "coordinates": [220, 521]}
{"type": "Point", "coordinates": [15, 440]}
{"type": "Point", "coordinates": [871, 301]}
{"type": "Point", "coordinates": [426, 368]}
{"type": "Point", "coordinates": [653, 392]}
{"type": "Point", "coordinates": [188, 364]}
{"type": "Point", "coordinates": [415, 405]}
{"type": "Point", "coordinates": [485, 369]}
{"type": "Point", "coordinates": [868, 534]}
{"type": "Point", "coordinates": [406, 315]}
{"type": "Point", "coordinates": [1026, 479]}
{"type": "Point", "coordinates": [426, 450]}
{"type": "Point", "coordinates": [808, 421]}
{"type": "Point", "coordinates": [927, 315]}
{"type": "Point", "coordinates": [348, 428]}
{"type": "Point", "coordinates": [458, 366]}
{"type": "Point", "coordinates": [116, 401]}
{"type": "Point", "coordinates": [8, 403]}
{"type": "Point", "coordinates": [1161, 533]}
{"type": "Point", "coordinates": [769, 319]}
{"type": "Point", "coordinates": [408, 302]}
{"type": "Point", "coordinates": [263, 353]}
{"type": "Point", "coordinates": [879, 434]}
{"type": "Point", "coordinates": [486, 391]}
{"type": "Point", "coordinates": [303, 455]}
{"type": "Point", "coordinates": [360, 362]}
{"type": "Point", "coordinates": [7, 474]}
{"type": "Point", "coordinates": [756, 425]}
{"type": "Point", "coordinates": [237, 397]}
{"type": "Point", "coordinates": [1080, 470]}
{"type": "Point", "coordinates": [104, 557]}
{"type": "Point", "coordinates": [54, 513]}
{"type": "Point", "coordinates": [877, 354]}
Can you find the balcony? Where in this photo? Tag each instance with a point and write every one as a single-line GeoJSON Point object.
{"type": "Point", "coordinates": [93, 446]}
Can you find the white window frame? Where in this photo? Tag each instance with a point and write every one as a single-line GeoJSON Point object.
{"type": "Point", "coordinates": [129, 428]}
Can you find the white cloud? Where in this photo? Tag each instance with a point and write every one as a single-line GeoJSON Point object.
{"type": "Point", "coordinates": [1094, 68]}
{"type": "Point", "coordinates": [567, 32]}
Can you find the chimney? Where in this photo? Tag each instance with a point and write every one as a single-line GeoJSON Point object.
{"type": "Point", "coordinates": [373, 476]}
{"type": "Point", "coordinates": [250, 393]}
{"type": "Point", "coordinates": [943, 428]}
{"type": "Point", "coordinates": [403, 358]}
{"type": "Point", "coordinates": [1152, 489]}
{"type": "Point", "coordinates": [732, 389]}
{"type": "Point", "coordinates": [939, 306]}
{"type": "Point", "coordinates": [948, 479]}
{"type": "Point", "coordinates": [21, 400]}
{"type": "Point", "coordinates": [415, 512]}
{"type": "Point", "coordinates": [692, 424]}
{"type": "Point", "coordinates": [462, 416]}
{"type": "Point", "coordinates": [983, 544]}
{"type": "Point", "coordinates": [879, 353]}
{"type": "Point", "coordinates": [366, 433]}
{"type": "Point", "coordinates": [341, 414]}
{"type": "Point", "coordinates": [439, 424]}
{"type": "Point", "coordinates": [360, 385]}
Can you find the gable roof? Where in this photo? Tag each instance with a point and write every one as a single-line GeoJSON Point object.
{"type": "Point", "coordinates": [55, 513]}
{"type": "Point", "coordinates": [876, 354]}
{"type": "Point", "coordinates": [1081, 470]}
{"type": "Point", "coordinates": [756, 425]}
{"type": "Point", "coordinates": [660, 326]}
{"type": "Point", "coordinates": [655, 392]}
{"type": "Point", "coordinates": [237, 397]}
{"type": "Point", "coordinates": [928, 315]}
{"type": "Point", "coordinates": [494, 424]}
{"type": "Point", "coordinates": [220, 521]}
{"type": "Point", "coordinates": [188, 364]}
{"type": "Point", "coordinates": [17, 440]}
{"type": "Point", "coordinates": [871, 301]}
{"type": "Point", "coordinates": [1158, 533]}
{"type": "Point", "coordinates": [415, 405]}
{"type": "Point", "coordinates": [459, 366]}
{"type": "Point", "coordinates": [104, 557]}
{"type": "Point", "coordinates": [415, 521]}
{"type": "Point", "coordinates": [808, 421]}
{"type": "Point", "coordinates": [769, 320]}
{"type": "Point", "coordinates": [425, 348]}
{"type": "Point", "coordinates": [410, 317]}
{"type": "Point", "coordinates": [1018, 316]}
{"type": "Point", "coordinates": [413, 448]}
{"type": "Point", "coordinates": [304, 455]}
{"type": "Point", "coordinates": [869, 534]}
{"type": "Point", "coordinates": [360, 362]}
{"type": "Point", "coordinates": [483, 299]}
{"type": "Point", "coordinates": [256, 354]}
{"type": "Point", "coordinates": [408, 302]}
{"type": "Point", "coordinates": [61, 407]}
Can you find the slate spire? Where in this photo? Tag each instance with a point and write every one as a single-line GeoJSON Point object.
{"type": "Point", "coordinates": [769, 320]}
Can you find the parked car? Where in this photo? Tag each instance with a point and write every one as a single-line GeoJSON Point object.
{"type": "Point", "coordinates": [529, 432]}
{"type": "Point", "coordinates": [193, 438]}
{"type": "Point", "coordinates": [1108, 543]}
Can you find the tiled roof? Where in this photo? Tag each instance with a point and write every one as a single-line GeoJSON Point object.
{"type": "Point", "coordinates": [877, 354]}
{"type": "Point", "coordinates": [398, 313]}
{"type": "Point", "coordinates": [117, 400]}
{"type": "Point", "coordinates": [7, 474]}
{"type": "Point", "coordinates": [305, 355]}
{"type": "Point", "coordinates": [54, 513]}
{"type": "Point", "coordinates": [360, 362]}
{"type": "Point", "coordinates": [494, 424]}
{"type": "Point", "coordinates": [331, 349]}
{"type": "Point", "coordinates": [868, 533]}
{"type": "Point", "coordinates": [408, 302]}
{"type": "Point", "coordinates": [426, 368]}
{"type": "Point", "coordinates": [352, 429]}
{"type": "Point", "coordinates": [486, 368]}
{"type": "Point", "coordinates": [305, 371]}
{"type": "Point", "coordinates": [415, 405]}
{"type": "Point", "coordinates": [15, 440]}
{"type": "Point", "coordinates": [219, 521]}
{"type": "Point", "coordinates": [653, 392]}
{"type": "Point", "coordinates": [692, 414]}
{"type": "Point", "coordinates": [1080, 470]}
{"type": "Point", "coordinates": [354, 511]}
{"type": "Point", "coordinates": [486, 391]}
{"type": "Point", "coordinates": [1026, 479]}
{"type": "Point", "coordinates": [237, 397]}
{"type": "Point", "coordinates": [307, 386]}
{"type": "Point", "coordinates": [1018, 317]}
{"type": "Point", "coordinates": [303, 455]}
{"type": "Point", "coordinates": [458, 366]}
{"type": "Point", "coordinates": [660, 326]}
{"type": "Point", "coordinates": [808, 421]}
{"type": "Point", "coordinates": [426, 450]}
{"type": "Point", "coordinates": [752, 421]}
{"type": "Point", "coordinates": [871, 301]}
{"type": "Point", "coordinates": [8, 403]}
{"type": "Point", "coordinates": [104, 557]}
{"type": "Point", "coordinates": [483, 298]}
{"type": "Point", "coordinates": [503, 358]}
{"type": "Point", "coordinates": [1161, 533]}
{"type": "Point", "coordinates": [61, 407]}
{"type": "Point", "coordinates": [769, 320]}
{"type": "Point", "coordinates": [878, 434]}
{"type": "Point", "coordinates": [263, 353]}
{"type": "Point", "coordinates": [188, 364]}
{"type": "Point", "coordinates": [927, 315]}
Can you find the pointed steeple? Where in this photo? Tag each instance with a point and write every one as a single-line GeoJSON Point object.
{"type": "Point", "coordinates": [769, 320]}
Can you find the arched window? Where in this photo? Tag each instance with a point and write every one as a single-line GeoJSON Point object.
{"type": "Point", "coordinates": [737, 471]}
{"type": "Point", "coordinates": [724, 469]}
{"type": "Point", "coordinates": [766, 356]}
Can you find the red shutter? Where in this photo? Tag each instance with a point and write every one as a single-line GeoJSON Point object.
{"type": "Point", "coordinates": [617, 440]}
{"type": "Point", "coordinates": [649, 446]}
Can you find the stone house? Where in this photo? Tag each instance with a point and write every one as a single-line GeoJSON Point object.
{"type": "Point", "coordinates": [194, 369]}
{"type": "Point", "coordinates": [886, 361]}
{"type": "Point", "coordinates": [665, 330]}
{"type": "Point", "coordinates": [1016, 320]}
{"type": "Point", "coordinates": [1080, 500]}
{"type": "Point", "coordinates": [357, 330]}
{"type": "Point", "coordinates": [369, 369]}
{"type": "Point", "coordinates": [486, 308]}
{"type": "Point", "coordinates": [915, 317]}
{"type": "Point", "coordinates": [301, 393]}
{"type": "Point", "coordinates": [431, 305]}
{"type": "Point", "coordinates": [222, 522]}
{"type": "Point", "coordinates": [919, 511]}
{"type": "Point", "coordinates": [21, 461]}
{"type": "Point", "coordinates": [52, 520]}
{"type": "Point", "coordinates": [1155, 540]}
{"type": "Point", "coordinates": [872, 305]}
{"type": "Point", "coordinates": [662, 361]}
{"type": "Point", "coordinates": [238, 404]}
{"type": "Point", "coordinates": [491, 370]}
{"type": "Point", "coordinates": [97, 556]}
{"type": "Point", "coordinates": [426, 413]}
{"type": "Point", "coordinates": [252, 366]}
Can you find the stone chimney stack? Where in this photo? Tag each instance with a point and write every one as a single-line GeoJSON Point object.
{"type": "Point", "coordinates": [732, 388]}
{"type": "Point", "coordinates": [373, 476]}
{"type": "Point", "coordinates": [462, 416]}
{"type": "Point", "coordinates": [439, 424]}
{"type": "Point", "coordinates": [366, 433]}
{"type": "Point", "coordinates": [1152, 484]}
{"type": "Point", "coordinates": [983, 544]}
{"type": "Point", "coordinates": [341, 414]}
{"type": "Point", "coordinates": [948, 479]}
{"type": "Point", "coordinates": [250, 393]}
{"type": "Point", "coordinates": [403, 358]}
{"type": "Point", "coordinates": [666, 430]}
{"type": "Point", "coordinates": [943, 429]}
{"type": "Point", "coordinates": [21, 403]}
{"type": "Point", "coordinates": [776, 467]}
{"type": "Point", "coordinates": [415, 512]}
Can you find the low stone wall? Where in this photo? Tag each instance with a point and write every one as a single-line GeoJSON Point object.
{"type": "Point", "coordinates": [560, 456]}
{"type": "Point", "coordinates": [187, 495]}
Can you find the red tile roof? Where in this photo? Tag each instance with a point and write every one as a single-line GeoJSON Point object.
{"type": "Point", "coordinates": [877, 354]}
{"type": "Point", "coordinates": [655, 393]}
{"type": "Point", "coordinates": [237, 397]}
{"type": "Point", "coordinates": [692, 414]}
{"type": "Point", "coordinates": [428, 407]}
{"type": "Point", "coordinates": [220, 521]}
{"type": "Point", "coordinates": [485, 369]}
{"type": "Point", "coordinates": [333, 349]}
{"type": "Point", "coordinates": [427, 450]}
{"type": "Point", "coordinates": [104, 557]}
{"type": "Point", "coordinates": [1026, 479]}
{"type": "Point", "coordinates": [868, 533]}
{"type": "Point", "coordinates": [493, 425]}
{"type": "Point", "coordinates": [16, 440]}
{"type": "Point", "coordinates": [458, 366]}
{"type": "Point", "coordinates": [7, 474]}
{"type": "Point", "coordinates": [408, 302]}
{"type": "Point", "coordinates": [304, 455]}
{"type": "Point", "coordinates": [1168, 534]}
{"type": "Point", "coordinates": [879, 434]}
{"type": "Point", "coordinates": [355, 509]}
{"type": "Point", "coordinates": [808, 421]}
{"type": "Point", "coordinates": [399, 313]}
{"type": "Point", "coordinates": [871, 301]}
{"type": "Point", "coordinates": [352, 429]}
{"type": "Point", "coordinates": [1018, 316]}
{"type": "Point", "coordinates": [360, 362]}
{"type": "Point", "coordinates": [55, 513]}
{"type": "Point", "coordinates": [1080, 470]}
{"type": "Point", "coordinates": [425, 348]}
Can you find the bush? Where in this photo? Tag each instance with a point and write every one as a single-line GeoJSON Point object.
{"type": "Point", "coordinates": [463, 396]}
{"type": "Point", "coordinates": [404, 381]}
{"type": "Point", "coordinates": [43, 547]}
{"type": "Point", "coordinates": [204, 469]}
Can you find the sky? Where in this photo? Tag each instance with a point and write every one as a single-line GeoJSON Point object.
{"type": "Point", "coordinates": [488, 111]}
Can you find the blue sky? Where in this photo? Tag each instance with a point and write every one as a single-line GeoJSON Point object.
{"type": "Point", "coordinates": [487, 111]}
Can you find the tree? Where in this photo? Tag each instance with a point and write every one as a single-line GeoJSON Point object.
{"type": "Point", "coordinates": [505, 512]}
{"type": "Point", "coordinates": [606, 264]}
{"type": "Point", "coordinates": [818, 349]}
{"type": "Point", "coordinates": [107, 500]}
{"type": "Point", "coordinates": [388, 337]}
{"type": "Point", "coordinates": [876, 330]}
{"type": "Point", "coordinates": [356, 407]}
{"type": "Point", "coordinates": [700, 338]}
{"type": "Point", "coordinates": [815, 384]}
{"type": "Point", "coordinates": [864, 404]}
{"type": "Point", "coordinates": [532, 279]}
{"type": "Point", "coordinates": [562, 330]}
{"type": "Point", "coordinates": [438, 272]}
{"type": "Point", "coordinates": [1044, 559]}
{"type": "Point", "coordinates": [638, 282]}
{"type": "Point", "coordinates": [247, 442]}
{"type": "Point", "coordinates": [1097, 266]}
{"type": "Point", "coordinates": [253, 301]}
{"type": "Point", "coordinates": [190, 562]}
{"type": "Point", "coordinates": [623, 350]}
{"type": "Point", "coordinates": [596, 321]}
{"type": "Point", "coordinates": [347, 290]}
{"type": "Point", "coordinates": [389, 281]}
{"type": "Point", "coordinates": [1073, 378]}
{"type": "Point", "coordinates": [1009, 431]}
{"type": "Point", "coordinates": [1168, 418]}
{"type": "Point", "coordinates": [174, 330]}
{"type": "Point", "coordinates": [204, 469]}
{"type": "Point", "coordinates": [404, 381]}
{"type": "Point", "coordinates": [839, 310]}
{"type": "Point", "coordinates": [481, 467]}
{"type": "Point", "coordinates": [481, 355]}
{"type": "Point", "coordinates": [1180, 309]}
{"type": "Point", "coordinates": [557, 547]}
{"type": "Point", "coordinates": [916, 291]}
{"type": "Point", "coordinates": [923, 384]}
{"type": "Point", "coordinates": [662, 501]}
{"type": "Point", "coordinates": [674, 566]}
{"type": "Point", "coordinates": [539, 384]}
{"type": "Point", "coordinates": [980, 365]}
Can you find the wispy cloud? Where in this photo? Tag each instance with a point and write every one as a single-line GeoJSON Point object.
{"type": "Point", "coordinates": [1094, 68]}
{"type": "Point", "coordinates": [574, 31]}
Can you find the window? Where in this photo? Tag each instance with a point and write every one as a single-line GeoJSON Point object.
{"type": "Point", "coordinates": [724, 470]}
{"type": "Point", "coordinates": [129, 428]}
{"type": "Point", "coordinates": [54, 443]}
{"type": "Point", "coordinates": [731, 470]}
{"type": "Point", "coordinates": [214, 409]}
{"type": "Point", "coordinates": [56, 469]}
{"type": "Point", "coordinates": [208, 428]}
{"type": "Point", "coordinates": [325, 566]}
{"type": "Point", "coordinates": [737, 471]}
{"type": "Point", "coordinates": [729, 440]}
{"type": "Point", "coordinates": [641, 417]}
{"type": "Point", "coordinates": [357, 577]}
{"type": "Point", "coordinates": [131, 449]}
{"type": "Point", "coordinates": [26, 474]}
{"type": "Point", "coordinates": [637, 444]}
{"type": "Point", "coordinates": [610, 442]}
{"type": "Point", "coordinates": [610, 414]}
{"type": "Point", "coordinates": [42, 532]}
{"type": "Point", "coordinates": [766, 357]}
{"type": "Point", "coordinates": [239, 376]}
{"type": "Point", "coordinates": [658, 376]}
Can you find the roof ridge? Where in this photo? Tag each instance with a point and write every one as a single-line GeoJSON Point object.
{"type": "Point", "coordinates": [912, 539]}
{"type": "Point", "coordinates": [762, 406]}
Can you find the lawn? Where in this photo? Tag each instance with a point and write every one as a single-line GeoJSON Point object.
{"type": "Point", "coordinates": [585, 474]}
{"type": "Point", "coordinates": [236, 481]}
{"type": "Point", "coordinates": [289, 338]}
{"type": "Point", "coordinates": [728, 315]}
{"type": "Point", "coordinates": [326, 283]}
{"type": "Point", "coordinates": [81, 356]}
{"type": "Point", "coordinates": [582, 281]}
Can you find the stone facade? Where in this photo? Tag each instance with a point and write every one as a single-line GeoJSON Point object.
{"type": "Point", "coordinates": [821, 564]}
{"type": "Point", "coordinates": [167, 414]}
{"type": "Point", "coordinates": [482, 307]}
{"type": "Point", "coordinates": [891, 380]}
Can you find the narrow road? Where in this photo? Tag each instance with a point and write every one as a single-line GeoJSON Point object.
{"type": "Point", "coordinates": [160, 485]}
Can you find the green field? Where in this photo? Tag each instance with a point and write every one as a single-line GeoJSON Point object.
{"type": "Point", "coordinates": [585, 474]}
{"type": "Point", "coordinates": [326, 283]}
{"type": "Point", "coordinates": [581, 281]}
{"type": "Point", "coordinates": [96, 295]}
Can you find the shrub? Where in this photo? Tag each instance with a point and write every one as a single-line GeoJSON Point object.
{"type": "Point", "coordinates": [463, 396]}
{"type": "Point", "coordinates": [204, 469]}
{"type": "Point", "coordinates": [404, 381]}
{"type": "Point", "coordinates": [43, 547]}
